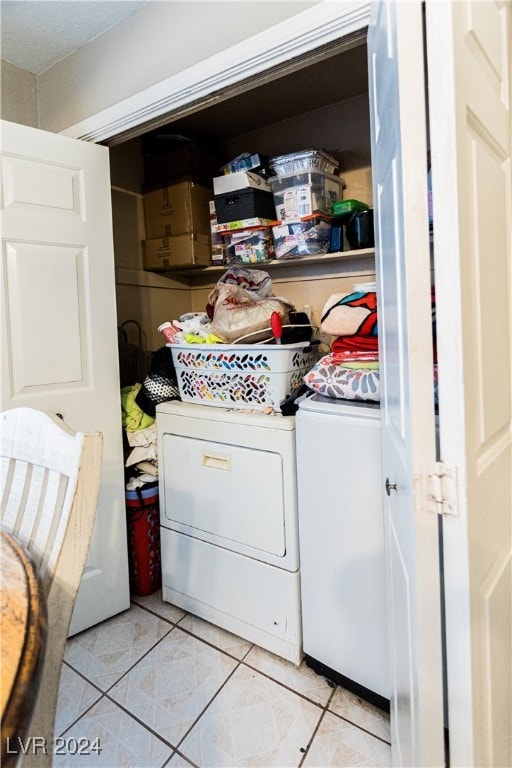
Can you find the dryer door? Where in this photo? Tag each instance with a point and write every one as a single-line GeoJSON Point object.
{"type": "Point", "coordinates": [226, 494]}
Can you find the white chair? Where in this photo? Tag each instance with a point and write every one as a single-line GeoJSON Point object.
{"type": "Point", "coordinates": [49, 483]}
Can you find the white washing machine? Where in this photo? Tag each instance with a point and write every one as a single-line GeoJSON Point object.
{"type": "Point", "coordinates": [341, 533]}
{"type": "Point", "coordinates": [229, 526]}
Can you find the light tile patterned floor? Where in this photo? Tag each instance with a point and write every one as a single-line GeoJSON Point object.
{"type": "Point", "coordinates": [158, 687]}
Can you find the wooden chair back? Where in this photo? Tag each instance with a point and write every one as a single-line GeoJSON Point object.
{"type": "Point", "coordinates": [49, 484]}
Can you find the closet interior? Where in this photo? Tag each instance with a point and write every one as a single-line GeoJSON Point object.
{"type": "Point", "coordinates": [214, 562]}
{"type": "Point", "coordinates": [319, 105]}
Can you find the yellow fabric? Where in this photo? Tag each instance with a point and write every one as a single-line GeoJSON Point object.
{"type": "Point", "coordinates": [133, 417]}
{"type": "Point", "coordinates": [362, 364]}
{"type": "Point", "coordinates": [211, 338]}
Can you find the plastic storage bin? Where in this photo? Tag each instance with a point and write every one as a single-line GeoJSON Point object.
{"type": "Point", "coordinates": [300, 194]}
{"type": "Point", "coordinates": [250, 246]}
{"type": "Point", "coordinates": [245, 204]}
{"type": "Point", "coordinates": [306, 160]}
{"type": "Point", "coordinates": [240, 376]}
{"type": "Point", "coordinates": [143, 519]}
{"type": "Point", "coordinates": [307, 237]}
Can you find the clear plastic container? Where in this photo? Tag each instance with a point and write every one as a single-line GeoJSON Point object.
{"type": "Point", "coordinates": [308, 237]}
{"type": "Point", "coordinates": [300, 194]}
{"type": "Point", "coordinates": [305, 160]}
{"type": "Point", "coordinates": [250, 246]}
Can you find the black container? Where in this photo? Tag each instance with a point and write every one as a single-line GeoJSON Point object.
{"type": "Point", "coordinates": [245, 204]}
{"type": "Point", "coordinates": [359, 230]}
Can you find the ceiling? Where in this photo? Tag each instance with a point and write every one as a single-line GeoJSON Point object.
{"type": "Point", "coordinates": [36, 34]}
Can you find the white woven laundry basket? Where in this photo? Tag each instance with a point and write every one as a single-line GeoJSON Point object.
{"type": "Point", "coordinates": [241, 376]}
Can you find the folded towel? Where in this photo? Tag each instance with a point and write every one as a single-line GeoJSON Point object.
{"type": "Point", "coordinates": [352, 349]}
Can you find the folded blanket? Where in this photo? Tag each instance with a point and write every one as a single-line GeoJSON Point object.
{"type": "Point", "coordinates": [133, 417]}
{"type": "Point", "coordinates": [371, 365]}
{"type": "Point", "coordinates": [356, 349]}
{"type": "Point", "coordinates": [350, 315]}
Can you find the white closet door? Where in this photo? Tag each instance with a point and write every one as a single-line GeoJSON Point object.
{"type": "Point", "coordinates": [470, 69]}
{"type": "Point", "coordinates": [399, 166]}
{"type": "Point", "coordinates": [58, 323]}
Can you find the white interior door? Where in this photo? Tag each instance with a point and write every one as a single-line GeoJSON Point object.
{"type": "Point", "coordinates": [58, 321]}
{"type": "Point", "coordinates": [469, 69]}
{"type": "Point", "coordinates": [399, 167]}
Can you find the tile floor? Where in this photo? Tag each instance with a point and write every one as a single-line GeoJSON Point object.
{"type": "Point", "coordinates": [159, 687]}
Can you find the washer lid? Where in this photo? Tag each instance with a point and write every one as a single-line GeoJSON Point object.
{"type": "Point", "coordinates": [338, 407]}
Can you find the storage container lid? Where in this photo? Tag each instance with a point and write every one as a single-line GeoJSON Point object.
{"type": "Point", "coordinates": [306, 159]}
{"type": "Point", "coordinates": [304, 177]}
{"type": "Point", "coordinates": [345, 207]}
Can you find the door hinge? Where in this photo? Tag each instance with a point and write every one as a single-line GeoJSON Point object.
{"type": "Point", "coordinates": [442, 489]}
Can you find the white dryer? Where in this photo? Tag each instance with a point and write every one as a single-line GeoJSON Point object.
{"type": "Point", "coordinates": [229, 527]}
{"type": "Point", "coordinates": [341, 533]}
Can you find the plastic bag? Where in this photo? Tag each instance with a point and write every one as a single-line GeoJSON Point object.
{"type": "Point", "coordinates": [237, 312]}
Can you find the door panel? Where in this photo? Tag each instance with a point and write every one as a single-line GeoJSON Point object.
{"type": "Point", "coordinates": [469, 69]}
{"type": "Point", "coordinates": [28, 184]}
{"type": "Point", "coordinates": [399, 169]}
{"type": "Point", "coordinates": [59, 337]}
{"type": "Point", "coordinates": [37, 363]}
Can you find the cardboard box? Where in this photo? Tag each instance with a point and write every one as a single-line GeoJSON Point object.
{"type": "Point", "coordinates": [183, 206]}
{"type": "Point", "coordinates": [232, 182]}
{"type": "Point", "coordinates": [187, 250]}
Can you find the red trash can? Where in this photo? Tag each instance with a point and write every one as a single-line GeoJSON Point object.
{"type": "Point", "coordinates": [143, 522]}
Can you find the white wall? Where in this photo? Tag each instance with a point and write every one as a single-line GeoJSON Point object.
{"type": "Point", "coordinates": [161, 39]}
{"type": "Point", "coordinates": [19, 95]}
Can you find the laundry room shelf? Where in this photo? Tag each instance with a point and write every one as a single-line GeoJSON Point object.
{"type": "Point", "coordinates": [357, 262]}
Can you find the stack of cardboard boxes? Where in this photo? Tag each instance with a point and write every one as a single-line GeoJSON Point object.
{"type": "Point", "coordinates": [177, 219]}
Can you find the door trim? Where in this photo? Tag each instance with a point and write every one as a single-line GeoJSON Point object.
{"type": "Point", "coordinates": [267, 54]}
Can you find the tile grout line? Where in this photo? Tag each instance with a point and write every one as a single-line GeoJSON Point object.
{"type": "Point", "coordinates": [315, 731]}
{"type": "Point", "coordinates": [275, 680]}
{"type": "Point", "coordinates": [240, 661]}
{"type": "Point", "coordinates": [180, 742]}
